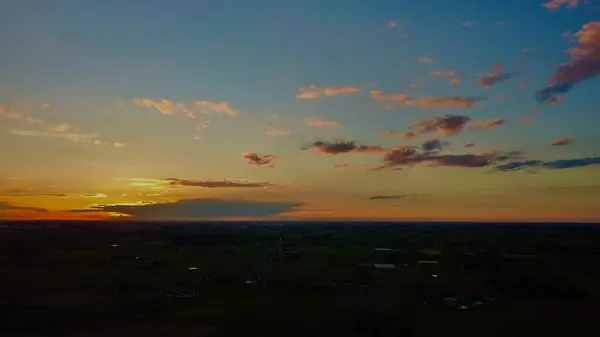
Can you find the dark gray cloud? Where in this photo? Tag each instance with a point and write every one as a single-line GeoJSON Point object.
{"type": "Point", "coordinates": [409, 155]}
{"type": "Point", "coordinates": [260, 159]}
{"type": "Point", "coordinates": [5, 206]}
{"type": "Point", "coordinates": [342, 146]}
{"type": "Point", "coordinates": [559, 164]}
{"type": "Point", "coordinates": [216, 184]}
{"type": "Point", "coordinates": [392, 197]}
{"type": "Point", "coordinates": [445, 125]}
{"type": "Point", "coordinates": [192, 209]}
{"type": "Point", "coordinates": [433, 145]}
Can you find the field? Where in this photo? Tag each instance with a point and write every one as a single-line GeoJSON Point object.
{"type": "Point", "coordinates": [293, 279]}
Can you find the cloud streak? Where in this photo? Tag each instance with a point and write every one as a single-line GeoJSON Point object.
{"type": "Point", "coordinates": [559, 164]}
{"type": "Point", "coordinates": [312, 91]}
{"type": "Point", "coordinates": [216, 184]}
{"type": "Point", "coordinates": [423, 102]}
{"type": "Point", "coordinates": [190, 109]}
{"type": "Point", "coordinates": [342, 147]}
{"type": "Point", "coordinates": [317, 122]}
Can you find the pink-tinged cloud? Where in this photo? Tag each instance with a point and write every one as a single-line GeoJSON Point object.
{"type": "Point", "coordinates": [498, 75]}
{"type": "Point", "coordinates": [468, 24]}
{"type": "Point", "coordinates": [313, 91]}
{"type": "Point", "coordinates": [423, 102]}
{"type": "Point", "coordinates": [556, 100]}
{"type": "Point", "coordinates": [403, 135]}
{"type": "Point", "coordinates": [562, 141]}
{"type": "Point", "coordinates": [584, 63]}
{"type": "Point", "coordinates": [424, 59]}
{"type": "Point", "coordinates": [342, 147]}
{"type": "Point", "coordinates": [259, 158]}
{"type": "Point", "coordinates": [486, 124]}
{"type": "Point", "coordinates": [445, 125]}
{"type": "Point", "coordinates": [317, 122]}
{"type": "Point", "coordinates": [48, 126]}
{"type": "Point", "coordinates": [392, 24]}
{"type": "Point", "coordinates": [527, 119]}
{"type": "Point", "coordinates": [556, 4]}
{"type": "Point", "coordinates": [274, 132]}
{"type": "Point", "coordinates": [208, 107]}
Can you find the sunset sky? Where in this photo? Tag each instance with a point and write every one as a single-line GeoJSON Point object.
{"type": "Point", "coordinates": [300, 110]}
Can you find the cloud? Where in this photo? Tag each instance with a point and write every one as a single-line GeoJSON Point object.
{"type": "Point", "coordinates": [468, 24]}
{"type": "Point", "coordinates": [313, 91]}
{"type": "Point", "coordinates": [260, 159]}
{"type": "Point", "coordinates": [273, 131]}
{"type": "Point", "coordinates": [560, 164]}
{"type": "Point", "coordinates": [342, 146]}
{"type": "Point", "coordinates": [418, 84]}
{"type": "Point", "coordinates": [433, 145]}
{"type": "Point", "coordinates": [189, 109]}
{"type": "Point", "coordinates": [385, 197]}
{"type": "Point", "coordinates": [423, 102]}
{"type": "Point", "coordinates": [5, 206]}
{"type": "Point", "coordinates": [444, 125]}
{"type": "Point", "coordinates": [562, 141]}
{"type": "Point", "coordinates": [556, 4]}
{"type": "Point", "coordinates": [584, 63]}
{"type": "Point", "coordinates": [342, 165]}
{"type": "Point", "coordinates": [392, 24]}
{"type": "Point", "coordinates": [216, 184]}
{"type": "Point", "coordinates": [487, 123]}
{"type": "Point", "coordinates": [403, 135]}
{"type": "Point", "coordinates": [316, 122]}
{"type": "Point", "coordinates": [410, 155]}
{"type": "Point", "coordinates": [81, 138]}
{"type": "Point", "coordinates": [424, 59]}
{"type": "Point", "coordinates": [496, 76]}
{"type": "Point", "coordinates": [452, 76]}
{"type": "Point", "coordinates": [189, 209]}
{"type": "Point", "coordinates": [49, 126]}
{"type": "Point", "coordinates": [469, 144]}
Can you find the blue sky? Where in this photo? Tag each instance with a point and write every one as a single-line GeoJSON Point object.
{"type": "Point", "coordinates": [88, 62]}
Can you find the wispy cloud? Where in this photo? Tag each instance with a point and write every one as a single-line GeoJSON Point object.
{"type": "Point", "coordinates": [260, 158]}
{"type": "Point", "coordinates": [5, 206]}
{"type": "Point", "coordinates": [403, 135]}
{"type": "Point", "coordinates": [216, 184]}
{"type": "Point", "coordinates": [423, 102]}
{"type": "Point", "coordinates": [468, 24]}
{"type": "Point", "coordinates": [20, 116]}
{"type": "Point", "coordinates": [556, 4]}
{"type": "Point", "coordinates": [190, 109]}
{"type": "Point", "coordinates": [486, 123]}
{"type": "Point", "coordinates": [418, 84]}
{"type": "Point", "coordinates": [392, 24]}
{"type": "Point", "coordinates": [342, 146]}
{"type": "Point", "coordinates": [452, 76]}
{"type": "Point", "coordinates": [584, 63]}
{"type": "Point", "coordinates": [85, 138]}
{"type": "Point", "coordinates": [273, 131]}
{"type": "Point", "coordinates": [425, 59]}
{"type": "Point", "coordinates": [562, 141]}
{"type": "Point", "coordinates": [559, 164]}
{"type": "Point", "coordinates": [313, 91]}
{"type": "Point", "coordinates": [317, 122]}
{"type": "Point", "coordinates": [342, 165]}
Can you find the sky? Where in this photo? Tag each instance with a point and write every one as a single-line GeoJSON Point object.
{"type": "Point", "coordinates": [402, 110]}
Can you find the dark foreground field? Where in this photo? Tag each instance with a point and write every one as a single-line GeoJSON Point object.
{"type": "Point", "coordinates": [242, 279]}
